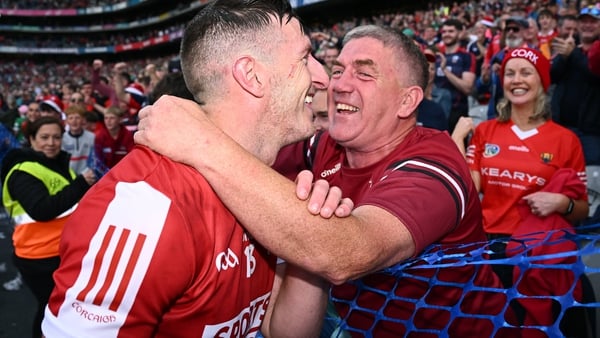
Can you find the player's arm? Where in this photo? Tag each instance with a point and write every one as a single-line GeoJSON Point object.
{"type": "Point", "coordinates": [298, 303]}
{"type": "Point", "coordinates": [266, 203]}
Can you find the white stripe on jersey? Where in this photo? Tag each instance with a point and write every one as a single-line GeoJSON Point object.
{"type": "Point", "coordinates": [442, 173]}
{"type": "Point", "coordinates": [102, 296]}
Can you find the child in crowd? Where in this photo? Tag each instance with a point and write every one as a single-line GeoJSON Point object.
{"type": "Point", "coordinates": [77, 141]}
{"type": "Point", "coordinates": [113, 141]}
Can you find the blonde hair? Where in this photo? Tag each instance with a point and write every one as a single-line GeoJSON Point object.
{"type": "Point", "coordinates": [541, 110]}
{"type": "Point", "coordinates": [116, 111]}
{"type": "Point", "coordinates": [79, 110]}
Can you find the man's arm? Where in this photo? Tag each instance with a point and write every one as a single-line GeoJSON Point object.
{"type": "Point", "coordinates": [298, 303]}
{"type": "Point", "coordinates": [464, 84]}
{"type": "Point", "coordinates": [266, 203]}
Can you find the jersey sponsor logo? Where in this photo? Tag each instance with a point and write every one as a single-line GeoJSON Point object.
{"type": "Point", "coordinates": [491, 150]}
{"type": "Point", "coordinates": [226, 260]}
{"type": "Point", "coordinates": [329, 172]}
{"type": "Point", "coordinates": [522, 149]}
{"type": "Point", "coordinates": [245, 324]}
{"type": "Point", "coordinates": [513, 175]}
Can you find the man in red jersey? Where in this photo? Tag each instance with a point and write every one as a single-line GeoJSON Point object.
{"type": "Point", "coordinates": [411, 186]}
{"type": "Point", "coordinates": [153, 251]}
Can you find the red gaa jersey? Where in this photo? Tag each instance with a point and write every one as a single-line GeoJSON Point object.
{"type": "Point", "coordinates": [152, 252]}
{"type": "Point", "coordinates": [513, 163]}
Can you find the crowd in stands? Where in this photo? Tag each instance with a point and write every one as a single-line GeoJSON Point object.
{"type": "Point", "coordinates": [77, 41]}
{"type": "Point", "coordinates": [479, 33]}
{"type": "Point", "coordinates": [466, 44]}
{"type": "Point", "coordinates": [56, 4]}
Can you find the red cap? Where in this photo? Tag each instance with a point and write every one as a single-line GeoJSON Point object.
{"type": "Point", "coordinates": [55, 103]}
{"type": "Point", "coordinates": [488, 21]}
{"type": "Point", "coordinates": [539, 61]}
{"type": "Point", "coordinates": [135, 88]}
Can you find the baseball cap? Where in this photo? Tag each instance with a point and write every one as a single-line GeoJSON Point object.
{"type": "Point", "coordinates": [537, 59]}
{"type": "Point", "coordinates": [593, 11]}
{"type": "Point", "coordinates": [519, 20]}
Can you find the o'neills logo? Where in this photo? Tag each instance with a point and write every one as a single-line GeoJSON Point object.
{"type": "Point", "coordinates": [331, 171]}
{"type": "Point", "coordinates": [525, 54]}
{"type": "Point", "coordinates": [92, 317]}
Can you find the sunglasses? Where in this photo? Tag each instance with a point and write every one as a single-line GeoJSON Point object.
{"type": "Point", "coordinates": [590, 10]}
{"type": "Point", "coordinates": [76, 100]}
{"type": "Point", "coordinates": [512, 29]}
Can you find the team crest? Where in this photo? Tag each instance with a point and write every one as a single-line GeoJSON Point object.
{"type": "Point", "coordinates": [491, 150]}
{"type": "Point", "coordinates": [546, 157]}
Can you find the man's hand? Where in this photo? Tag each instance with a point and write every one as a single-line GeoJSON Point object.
{"type": "Point", "coordinates": [322, 199]}
{"type": "Point", "coordinates": [442, 58]}
{"type": "Point", "coordinates": [563, 47]}
{"type": "Point", "coordinates": [97, 64]}
{"type": "Point", "coordinates": [120, 67]}
{"type": "Point", "coordinates": [463, 128]}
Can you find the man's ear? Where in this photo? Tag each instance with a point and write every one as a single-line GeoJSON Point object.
{"type": "Point", "coordinates": [411, 98]}
{"type": "Point", "coordinates": [249, 74]}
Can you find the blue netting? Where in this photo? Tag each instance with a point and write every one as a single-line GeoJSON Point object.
{"type": "Point", "coordinates": [551, 293]}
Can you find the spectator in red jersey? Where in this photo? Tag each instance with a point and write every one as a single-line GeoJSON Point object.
{"type": "Point", "coordinates": [113, 141]}
{"type": "Point", "coordinates": [547, 23]}
{"type": "Point", "coordinates": [131, 94]}
{"type": "Point", "coordinates": [531, 173]}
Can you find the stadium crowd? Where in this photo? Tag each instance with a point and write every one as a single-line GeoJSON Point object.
{"type": "Point", "coordinates": [466, 44]}
{"type": "Point", "coordinates": [58, 4]}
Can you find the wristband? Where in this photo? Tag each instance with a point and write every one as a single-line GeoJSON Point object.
{"type": "Point", "coordinates": [570, 207]}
